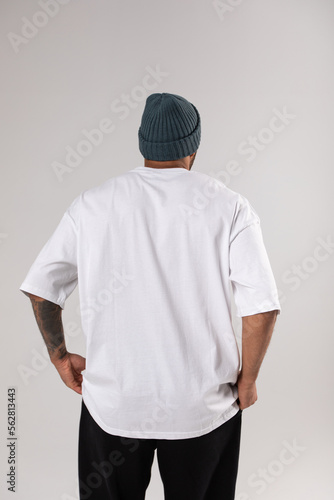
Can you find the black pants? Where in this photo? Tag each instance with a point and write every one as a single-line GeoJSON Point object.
{"type": "Point", "coordinates": [119, 468]}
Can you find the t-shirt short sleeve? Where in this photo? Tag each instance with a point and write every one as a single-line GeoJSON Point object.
{"type": "Point", "coordinates": [253, 283]}
{"type": "Point", "coordinates": [53, 275]}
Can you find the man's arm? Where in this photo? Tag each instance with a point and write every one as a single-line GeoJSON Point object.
{"type": "Point", "coordinates": [256, 334]}
{"type": "Point", "coordinates": [49, 320]}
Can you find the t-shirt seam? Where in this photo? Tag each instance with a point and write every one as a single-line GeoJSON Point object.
{"type": "Point", "coordinates": [273, 306]}
{"type": "Point", "coordinates": [73, 276]}
{"type": "Point", "coordinates": [248, 225]}
{"type": "Point", "coordinates": [71, 219]}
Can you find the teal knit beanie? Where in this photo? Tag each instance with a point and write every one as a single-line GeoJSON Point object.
{"type": "Point", "coordinates": [170, 128]}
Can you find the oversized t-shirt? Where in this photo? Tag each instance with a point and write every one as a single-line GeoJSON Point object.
{"type": "Point", "coordinates": [157, 255]}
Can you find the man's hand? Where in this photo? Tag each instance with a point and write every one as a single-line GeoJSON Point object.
{"type": "Point", "coordinates": [69, 369]}
{"type": "Point", "coordinates": [247, 394]}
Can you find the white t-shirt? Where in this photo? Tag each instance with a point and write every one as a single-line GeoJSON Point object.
{"type": "Point", "coordinates": [157, 254]}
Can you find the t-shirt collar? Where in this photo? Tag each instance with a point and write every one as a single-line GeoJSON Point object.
{"type": "Point", "coordinates": [143, 168]}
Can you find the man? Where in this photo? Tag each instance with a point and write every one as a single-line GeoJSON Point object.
{"type": "Point", "coordinates": [154, 252]}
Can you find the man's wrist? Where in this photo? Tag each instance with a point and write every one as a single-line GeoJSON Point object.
{"type": "Point", "coordinates": [246, 379]}
{"type": "Point", "coordinates": [60, 357]}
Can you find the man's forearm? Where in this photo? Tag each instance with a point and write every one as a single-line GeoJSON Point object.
{"type": "Point", "coordinates": [256, 334]}
{"type": "Point", "coordinates": [49, 320]}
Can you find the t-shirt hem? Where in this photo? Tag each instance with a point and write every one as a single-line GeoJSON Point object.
{"type": "Point", "coordinates": [42, 293]}
{"type": "Point", "coordinates": [250, 312]}
{"type": "Point", "coordinates": [231, 412]}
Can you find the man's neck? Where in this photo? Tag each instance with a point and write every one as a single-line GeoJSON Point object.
{"type": "Point", "coordinates": [164, 164]}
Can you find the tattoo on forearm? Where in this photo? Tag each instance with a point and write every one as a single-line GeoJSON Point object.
{"type": "Point", "coordinates": [49, 320]}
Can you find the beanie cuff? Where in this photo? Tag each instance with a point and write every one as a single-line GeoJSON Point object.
{"type": "Point", "coordinates": [170, 151]}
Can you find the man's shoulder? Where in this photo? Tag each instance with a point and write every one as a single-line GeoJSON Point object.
{"type": "Point", "coordinates": [208, 184]}
{"type": "Point", "coordinates": [211, 181]}
{"type": "Point", "coordinates": [106, 185]}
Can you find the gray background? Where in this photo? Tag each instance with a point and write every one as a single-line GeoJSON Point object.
{"type": "Point", "coordinates": [240, 64]}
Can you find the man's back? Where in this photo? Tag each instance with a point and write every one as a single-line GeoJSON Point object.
{"type": "Point", "coordinates": [154, 252]}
